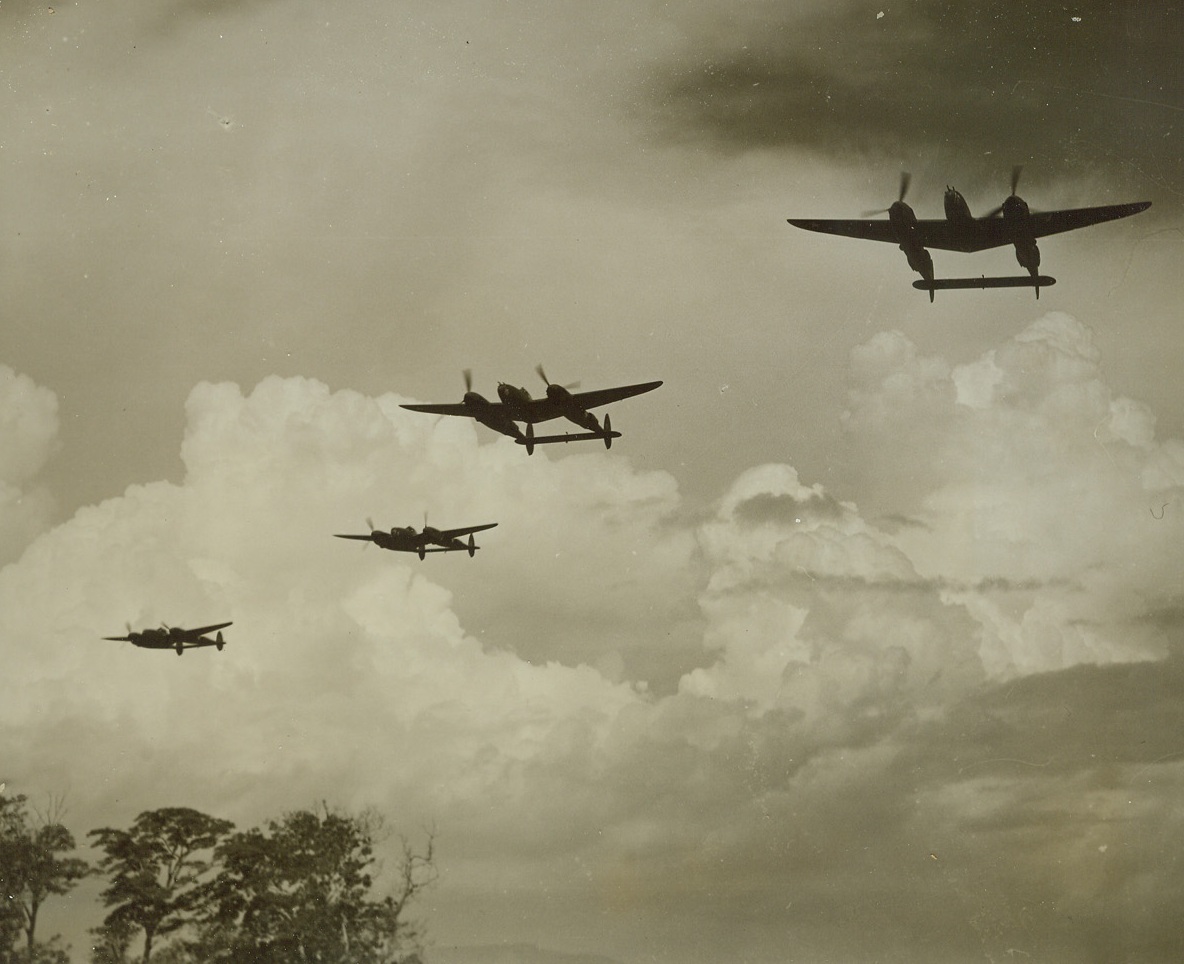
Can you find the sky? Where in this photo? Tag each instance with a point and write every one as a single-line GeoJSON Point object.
{"type": "Point", "coordinates": [864, 641]}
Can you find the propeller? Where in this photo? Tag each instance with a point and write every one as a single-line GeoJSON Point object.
{"type": "Point", "coordinates": [543, 375]}
{"type": "Point", "coordinates": [905, 179]}
{"type": "Point", "coordinates": [370, 524]}
{"type": "Point", "coordinates": [1015, 183]}
{"type": "Point", "coordinates": [468, 374]}
{"type": "Point", "coordinates": [122, 639]}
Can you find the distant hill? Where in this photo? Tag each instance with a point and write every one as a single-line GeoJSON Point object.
{"type": "Point", "coordinates": [508, 954]}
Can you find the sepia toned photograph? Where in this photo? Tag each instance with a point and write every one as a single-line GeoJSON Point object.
{"type": "Point", "coordinates": [636, 482]}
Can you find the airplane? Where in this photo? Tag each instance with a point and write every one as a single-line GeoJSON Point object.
{"type": "Point", "coordinates": [516, 405]}
{"type": "Point", "coordinates": [406, 539]}
{"type": "Point", "coordinates": [961, 231]}
{"type": "Point", "coordinates": [173, 637]}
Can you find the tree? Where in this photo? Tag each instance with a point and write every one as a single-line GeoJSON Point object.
{"type": "Point", "coordinates": [157, 870]}
{"type": "Point", "coordinates": [12, 824]}
{"type": "Point", "coordinates": [32, 868]}
{"type": "Point", "coordinates": [300, 890]}
{"type": "Point", "coordinates": [111, 941]}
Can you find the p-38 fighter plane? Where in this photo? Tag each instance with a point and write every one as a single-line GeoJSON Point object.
{"type": "Point", "coordinates": [1010, 223]}
{"type": "Point", "coordinates": [516, 405]}
{"type": "Point", "coordinates": [173, 637]}
{"type": "Point", "coordinates": [421, 543]}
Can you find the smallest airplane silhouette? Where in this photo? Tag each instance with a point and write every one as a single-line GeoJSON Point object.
{"type": "Point", "coordinates": [407, 539]}
{"type": "Point", "coordinates": [173, 637]}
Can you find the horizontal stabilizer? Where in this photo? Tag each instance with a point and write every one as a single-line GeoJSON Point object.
{"type": "Point", "coordinates": [1015, 281]}
{"type": "Point", "coordinates": [568, 437]}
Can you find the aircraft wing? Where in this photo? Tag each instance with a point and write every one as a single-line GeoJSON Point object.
{"type": "Point", "coordinates": [456, 533]}
{"type": "Point", "coordinates": [851, 228]}
{"type": "Point", "coordinates": [454, 409]}
{"type": "Point", "coordinates": [195, 634]}
{"type": "Point", "coordinates": [604, 396]}
{"type": "Point", "coordinates": [983, 233]}
{"type": "Point", "coordinates": [1054, 222]}
{"type": "Point", "coordinates": [338, 535]}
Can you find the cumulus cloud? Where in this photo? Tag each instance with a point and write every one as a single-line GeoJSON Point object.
{"type": "Point", "coordinates": [816, 614]}
{"type": "Point", "coordinates": [846, 738]}
{"type": "Point", "coordinates": [1033, 483]}
{"type": "Point", "coordinates": [28, 438]}
{"type": "Point", "coordinates": [328, 640]}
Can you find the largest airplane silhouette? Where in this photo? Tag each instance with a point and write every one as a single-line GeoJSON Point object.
{"type": "Point", "coordinates": [1010, 223]}
{"type": "Point", "coordinates": [517, 405]}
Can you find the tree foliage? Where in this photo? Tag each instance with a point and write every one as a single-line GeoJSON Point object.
{"type": "Point", "coordinates": [33, 868]}
{"type": "Point", "coordinates": [110, 942]}
{"type": "Point", "coordinates": [299, 890]}
{"type": "Point", "coordinates": [157, 870]}
{"type": "Point", "coordinates": [305, 888]}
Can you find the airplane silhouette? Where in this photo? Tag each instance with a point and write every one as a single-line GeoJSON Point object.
{"type": "Point", "coordinates": [173, 637]}
{"type": "Point", "coordinates": [407, 539]}
{"type": "Point", "coordinates": [517, 405]}
{"type": "Point", "coordinates": [1013, 222]}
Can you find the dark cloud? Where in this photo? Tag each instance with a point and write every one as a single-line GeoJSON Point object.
{"type": "Point", "coordinates": [1065, 774]}
{"type": "Point", "coordinates": [894, 522]}
{"type": "Point", "coordinates": [1067, 87]}
{"type": "Point", "coordinates": [1085, 719]}
{"type": "Point", "coordinates": [786, 510]}
{"type": "Point", "coordinates": [1168, 615]}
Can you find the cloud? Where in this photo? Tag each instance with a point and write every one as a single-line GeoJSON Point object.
{"type": "Point", "coordinates": [1025, 469]}
{"type": "Point", "coordinates": [930, 80]}
{"type": "Point", "coordinates": [330, 645]}
{"type": "Point", "coordinates": [817, 614]}
{"type": "Point", "coordinates": [28, 438]}
{"type": "Point", "coordinates": [884, 729]}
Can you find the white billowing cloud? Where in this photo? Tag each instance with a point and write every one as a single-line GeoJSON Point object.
{"type": "Point", "coordinates": [28, 437]}
{"type": "Point", "coordinates": [817, 614]}
{"type": "Point", "coordinates": [347, 672]}
{"type": "Point", "coordinates": [1027, 473]}
{"type": "Point", "coordinates": [835, 695]}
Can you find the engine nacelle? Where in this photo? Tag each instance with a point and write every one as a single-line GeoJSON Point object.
{"type": "Point", "coordinates": [1015, 207]}
{"type": "Point", "coordinates": [1028, 254]}
{"type": "Point", "coordinates": [584, 419]}
{"type": "Point", "coordinates": [920, 260]}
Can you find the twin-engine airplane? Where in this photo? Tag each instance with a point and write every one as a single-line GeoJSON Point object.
{"type": "Point", "coordinates": [421, 543]}
{"type": "Point", "coordinates": [173, 637]}
{"type": "Point", "coordinates": [961, 231]}
{"type": "Point", "coordinates": [516, 405]}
